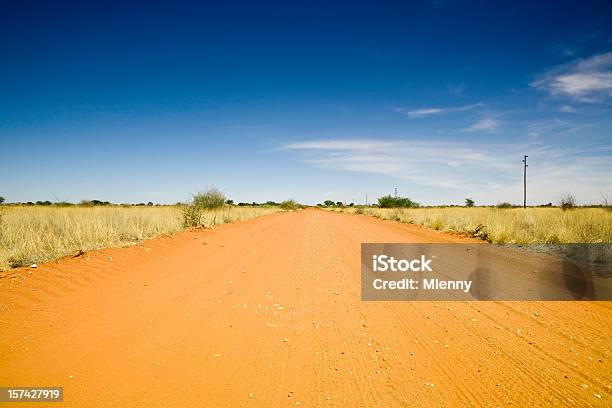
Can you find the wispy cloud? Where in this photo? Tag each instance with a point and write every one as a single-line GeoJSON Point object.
{"type": "Point", "coordinates": [586, 80]}
{"type": "Point", "coordinates": [432, 163]}
{"type": "Point", "coordinates": [541, 127]}
{"type": "Point", "coordinates": [493, 169]}
{"type": "Point", "coordinates": [567, 109]}
{"type": "Point", "coordinates": [487, 124]}
{"type": "Point", "coordinates": [427, 111]}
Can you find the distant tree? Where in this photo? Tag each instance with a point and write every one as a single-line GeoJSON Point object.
{"type": "Point", "coordinates": [271, 203]}
{"type": "Point", "coordinates": [150, 203]}
{"type": "Point", "coordinates": [504, 205]}
{"type": "Point", "coordinates": [328, 203]}
{"type": "Point", "coordinates": [1, 199]}
{"type": "Point", "coordinates": [229, 202]}
{"type": "Point", "coordinates": [390, 201]}
{"type": "Point", "coordinates": [339, 203]}
{"type": "Point", "coordinates": [469, 202]}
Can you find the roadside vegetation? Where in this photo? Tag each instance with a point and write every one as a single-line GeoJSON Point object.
{"type": "Point", "coordinates": [31, 234]}
{"type": "Point", "coordinates": [507, 225]}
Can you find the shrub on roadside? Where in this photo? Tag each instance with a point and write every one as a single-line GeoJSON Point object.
{"type": "Point", "coordinates": [201, 202]}
{"type": "Point", "coordinates": [209, 199]}
{"type": "Point", "coordinates": [192, 216]}
{"type": "Point", "coordinates": [289, 205]}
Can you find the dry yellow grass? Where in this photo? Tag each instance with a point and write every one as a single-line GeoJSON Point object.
{"type": "Point", "coordinates": [34, 234]}
{"type": "Point", "coordinates": [509, 226]}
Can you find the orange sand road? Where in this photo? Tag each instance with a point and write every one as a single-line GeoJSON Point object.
{"type": "Point", "coordinates": [267, 312]}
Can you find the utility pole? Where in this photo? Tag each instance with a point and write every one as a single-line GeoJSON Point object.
{"type": "Point", "coordinates": [366, 200]}
{"type": "Point", "coordinates": [395, 192]}
{"type": "Point", "coordinates": [525, 182]}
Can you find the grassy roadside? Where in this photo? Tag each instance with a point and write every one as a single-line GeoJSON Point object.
{"type": "Point", "coordinates": [35, 234]}
{"type": "Point", "coordinates": [507, 226]}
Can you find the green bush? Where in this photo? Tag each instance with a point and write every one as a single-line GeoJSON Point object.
{"type": "Point", "coordinates": [504, 205]}
{"type": "Point", "coordinates": [209, 199]}
{"type": "Point", "coordinates": [389, 201]}
{"type": "Point", "coordinates": [202, 201]}
{"type": "Point", "coordinates": [289, 205]}
{"type": "Point", "coordinates": [192, 216]}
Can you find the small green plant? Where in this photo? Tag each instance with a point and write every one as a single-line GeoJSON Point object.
{"type": "Point", "coordinates": [192, 216]}
{"type": "Point", "coordinates": [504, 205]}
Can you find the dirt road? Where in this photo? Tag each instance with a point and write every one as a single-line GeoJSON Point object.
{"type": "Point", "coordinates": [267, 312]}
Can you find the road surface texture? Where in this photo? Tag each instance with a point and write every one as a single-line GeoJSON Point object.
{"type": "Point", "coordinates": [267, 313]}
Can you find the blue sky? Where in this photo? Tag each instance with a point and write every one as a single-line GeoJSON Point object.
{"type": "Point", "coordinates": [441, 99]}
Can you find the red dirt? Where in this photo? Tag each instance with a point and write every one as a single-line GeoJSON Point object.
{"type": "Point", "coordinates": [267, 312]}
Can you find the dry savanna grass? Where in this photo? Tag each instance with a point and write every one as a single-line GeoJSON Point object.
{"type": "Point", "coordinates": [509, 226]}
{"type": "Point", "coordinates": [34, 234]}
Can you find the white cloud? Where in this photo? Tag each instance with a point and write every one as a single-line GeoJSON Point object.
{"type": "Point", "coordinates": [417, 113]}
{"type": "Point", "coordinates": [567, 109]}
{"type": "Point", "coordinates": [488, 124]}
{"type": "Point", "coordinates": [491, 172]}
{"type": "Point", "coordinates": [586, 80]}
{"type": "Point", "coordinates": [424, 112]}
{"type": "Point", "coordinates": [441, 164]}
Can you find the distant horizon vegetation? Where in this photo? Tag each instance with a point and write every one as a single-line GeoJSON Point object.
{"type": "Point", "coordinates": [41, 231]}
{"type": "Point", "coordinates": [567, 201]}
